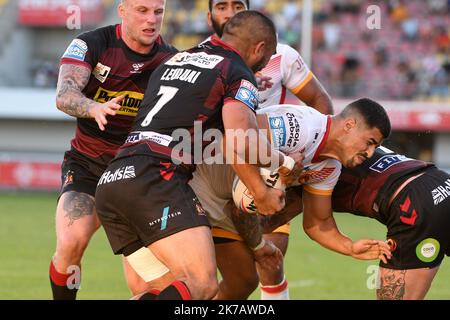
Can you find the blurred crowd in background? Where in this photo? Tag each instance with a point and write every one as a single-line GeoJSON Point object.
{"type": "Point", "coordinates": [407, 58]}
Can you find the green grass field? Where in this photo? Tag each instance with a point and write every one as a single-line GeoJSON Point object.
{"type": "Point", "coordinates": [27, 242]}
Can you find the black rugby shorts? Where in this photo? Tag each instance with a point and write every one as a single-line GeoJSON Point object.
{"type": "Point", "coordinates": [419, 222]}
{"type": "Point", "coordinates": [142, 199]}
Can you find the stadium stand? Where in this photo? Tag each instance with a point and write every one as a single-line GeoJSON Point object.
{"type": "Point", "coordinates": [405, 64]}
{"type": "Point", "coordinates": [408, 58]}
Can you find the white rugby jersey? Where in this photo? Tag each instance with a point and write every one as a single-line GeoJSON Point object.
{"type": "Point", "coordinates": [288, 71]}
{"type": "Point", "coordinates": [296, 128]}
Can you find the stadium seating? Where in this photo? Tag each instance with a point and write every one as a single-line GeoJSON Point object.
{"type": "Point", "coordinates": [408, 58]}
{"type": "Point", "coordinates": [349, 18]}
{"type": "Point", "coordinates": [404, 74]}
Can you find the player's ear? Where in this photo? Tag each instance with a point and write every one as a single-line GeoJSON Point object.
{"type": "Point", "coordinates": [209, 20]}
{"type": "Point", "coordinates": [121, 10]}
{"type": "Point", "coordinates": [349, 124]}
{"type": "Point", "coordinates": [259, 49]}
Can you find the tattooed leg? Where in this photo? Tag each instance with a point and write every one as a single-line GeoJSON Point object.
{"type": "Point", "coordinates": [411, 284]}
{"type": "Point", "coordinates": [392, 284]}
{"type": "Point", "coordinates": [76, 205]}
{"type": "Point", "coordinates": [76, 222]}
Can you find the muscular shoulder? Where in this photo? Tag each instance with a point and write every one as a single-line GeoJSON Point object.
{"type": "Point", "coordinates": [100, 37]}
{"type": "Point", "coordinates": [286, 49]}
{"type": "Point", "coordinates": [237, 69]}
{"type": "Point", "coordinates": [295, 72]}
{"type": "Point", "coordinates": [166, 47]}
{"type": "Point", "coordinates": [288, 54]}
{"type": "Point", "coordinates": [299, 111]}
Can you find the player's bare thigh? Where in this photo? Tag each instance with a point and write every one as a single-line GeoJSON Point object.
{"type": "Point", "coordinates": [76, 222]}
{"type": "Point", "coordinates": [75, 211]}
{"type": "Point", "coordinates": [190, 257]}
{"type": "Point", "coordinates": [411, 284]}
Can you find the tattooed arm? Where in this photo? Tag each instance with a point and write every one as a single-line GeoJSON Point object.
{"type": "Point", "coordinates": [294, 206]}
{"type": "Point", "coordinates": [70, 99]}
{"type": "Point", "coordinates": [248, 226]}
{"type": "Point", "coordinates": [265, 253]}
{"type": "Point", "coordinates": [251, 227]}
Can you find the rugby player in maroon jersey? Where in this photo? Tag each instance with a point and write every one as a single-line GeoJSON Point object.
{"type": "Point", "coordinates": [102, 80]}
{"type": "Point", "coordinates": [143, 199]}
{"type": "Point", "coordinates": [309, 90]}
{"type": "Point", "coordinates": [412, 199]}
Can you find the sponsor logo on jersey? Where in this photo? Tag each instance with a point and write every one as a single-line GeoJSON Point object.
{"type": "Point", "coordinates": [77, 50]}
{"type": "Point", "coordinates": [101, 72]}
{"type": "Point", "coordinates": [251, 207]}
{"type": "Point", "coordinates": [387, 161]}
{"type": "Point", "coordinates": [68, 178]}
{"type": "Point", "coordinates": [294, 130]}
{"type": "Point", "coordinates": [278, 130]}
{"type": "Point", "coordinates": [428, 250]}
{"type": "Point", "coordinates": [198, 207]}
{"type": "Point", "coordinates": [314, 176]}
{"type": "Point", "coordinates": [156, 137]}
{"type": "Point", "coordinates": [165, 217]}
{"type": "Point", "coordinates": [248, 94]}
{"type": "Point", "coordinates": [130, 104]}
{"type": "Point", "coordinates": [123, 173]}
{"type": "Point", "coordinates": [199, 59]}
{"type": "Point", "coordinates": [137, 67]}
{"type": "Point", "coordinates": [441, 193]}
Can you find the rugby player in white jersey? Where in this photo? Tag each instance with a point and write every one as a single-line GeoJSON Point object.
{"type": "Point", "coordinates": [327, 142]}
{"type": "Point", "coordinates": [285, 71]}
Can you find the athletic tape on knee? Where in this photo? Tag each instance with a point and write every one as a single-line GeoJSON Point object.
{"type": "Point", "coordinates": [146, 265]}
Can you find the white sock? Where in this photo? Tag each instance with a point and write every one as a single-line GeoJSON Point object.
{"type": "Point", "coordinates": [276, 292]}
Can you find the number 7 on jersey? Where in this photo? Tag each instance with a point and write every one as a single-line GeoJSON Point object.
{"type": "Point", "coordinates": [167, 94]}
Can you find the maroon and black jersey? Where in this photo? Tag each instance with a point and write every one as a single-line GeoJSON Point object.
{"type": "Point", "coordinates": [366, 189]}
{"type": "Point", "coordinates": [191, 86]}
{"type": "Point", "coordinates": [116, 70]}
